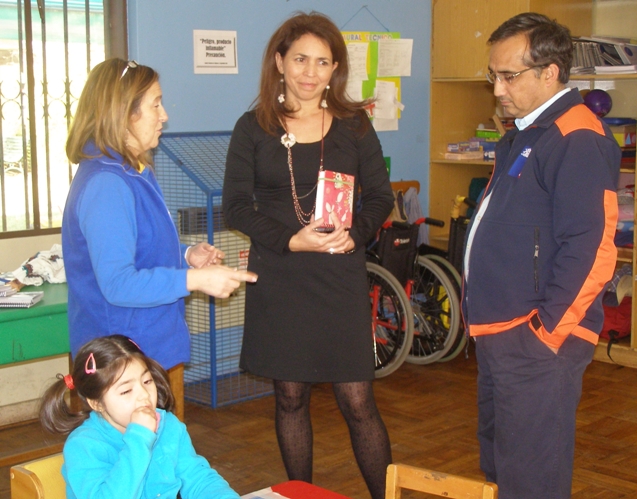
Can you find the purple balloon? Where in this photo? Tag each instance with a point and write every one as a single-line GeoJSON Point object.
{"type": "Point", "coordinates": [599, 102]}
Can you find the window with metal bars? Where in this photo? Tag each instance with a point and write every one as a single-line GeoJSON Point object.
{"type": "Point", "coordinates": [47, 48]}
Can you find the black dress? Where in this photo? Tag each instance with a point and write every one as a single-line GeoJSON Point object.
{"type": "Point", "coordinates": [308, 316]}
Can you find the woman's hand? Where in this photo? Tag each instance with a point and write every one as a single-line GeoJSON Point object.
{"type": "Point", "coordinates": [217, 280]}
{"type": "Point", "coordinates": [204, 254]}
{"type": "Point", "coordinates": [308, 239]}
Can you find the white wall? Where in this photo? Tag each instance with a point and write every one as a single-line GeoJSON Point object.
{"type": "Point", "coordinates": [15, 251]}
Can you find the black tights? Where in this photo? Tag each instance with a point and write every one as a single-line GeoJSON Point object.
{"type": "Point", "coordinates": [370, 441]}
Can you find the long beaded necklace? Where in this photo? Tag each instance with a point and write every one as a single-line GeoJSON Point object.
{"type": "Point", "coordinates": [288, 140]}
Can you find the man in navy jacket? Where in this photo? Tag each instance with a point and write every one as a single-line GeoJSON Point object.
{"type": "Point", "coordinates": [539, 253]}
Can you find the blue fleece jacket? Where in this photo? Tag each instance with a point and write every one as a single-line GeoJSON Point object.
{"type": "Point", "coordinates": [102, 463]}
{"type": "Point", "coordinates": [124, 264]}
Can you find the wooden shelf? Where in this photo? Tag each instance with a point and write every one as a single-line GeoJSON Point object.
{"type": "Point", "coordinates": [462, 162]}
{"type": "Point", "coordinates": [625, 76]}
{"type": "Point", "coordinates": [625, 255]}
{"type": "Point", "coordinates": [481, 79]}
{"type": "Point", "coordinates": [461, 97]}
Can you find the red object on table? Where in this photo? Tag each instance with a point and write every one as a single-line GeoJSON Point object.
{"type": "Point", "coordinates": [297, 489]}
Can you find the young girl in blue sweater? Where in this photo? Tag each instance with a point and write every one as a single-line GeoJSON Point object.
{"type": "Point", "coordinates": [125, 443]}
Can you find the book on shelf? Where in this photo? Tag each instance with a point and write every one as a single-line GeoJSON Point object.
{"type": "Point", "coordinates": [628, 153]}
{"type": "Point", "coordinates": [608, 70]}
{"type": "Point", "coordinates": [628, 157]}
{"type": "Point", "coordinates": [613, 39]}
{"type": "Point", "coordinates": [488, 133]}
{"type": "Point", "coordinates": [622, 49]}
{"type": "Point", "coordinates": [334, 198]}
{"type": "Point", "coordinates": [472, 144]}
{"type": "Point", "coordinates": [465, 156]}
{"type": "Point", "coordinates": [24, 299]}
{"type": "Point", "coordinates": [604, 55]}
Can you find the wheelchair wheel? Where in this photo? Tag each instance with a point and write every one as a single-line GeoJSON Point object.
{"type": "Point", "coordinates": [436, 310]}
{"type": "Point", "coordinates": [456, 280]}
{"type": "Point", "coordinates": [392, 320]}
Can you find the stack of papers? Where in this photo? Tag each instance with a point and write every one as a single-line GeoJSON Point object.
{"type": "Point", "coordinates": [6, 290]}
{"type": "Point", "coordinates": [624, 69]}
{"type": "Point", "coordinates": [21, 300]}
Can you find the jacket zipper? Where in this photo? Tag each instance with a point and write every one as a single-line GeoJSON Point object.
{"type": "Point", "coordinates": [535, 258]}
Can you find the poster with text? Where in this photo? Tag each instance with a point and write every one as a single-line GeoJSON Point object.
{"type": "Point", "coordinates": [373, 57]}
{"type": "Point", "coordinates": [215, 52]}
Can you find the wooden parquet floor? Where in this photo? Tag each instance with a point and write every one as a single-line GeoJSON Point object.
{"type": "Point", "coordinates": [431, 415]}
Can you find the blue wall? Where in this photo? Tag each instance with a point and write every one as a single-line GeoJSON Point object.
{"type": "Point", "coordinates": [160, 36]}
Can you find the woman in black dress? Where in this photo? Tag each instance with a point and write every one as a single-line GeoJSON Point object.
{"type": "Point", "coordinates": [308, 319]}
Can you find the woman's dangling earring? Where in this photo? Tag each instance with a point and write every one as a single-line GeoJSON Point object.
{"type": "Point", "coordinates": [281, 97]}
{"type": "Point", "coordinates": [324, 101]}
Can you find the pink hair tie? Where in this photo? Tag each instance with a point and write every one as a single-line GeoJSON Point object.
{"type": "Point", "coordinates": [68, 379]}
{"type": "Point", "coordinates": [93, 368]}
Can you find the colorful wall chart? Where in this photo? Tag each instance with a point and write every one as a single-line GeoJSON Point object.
{"type": "Point", "coordinates": [377, 62]}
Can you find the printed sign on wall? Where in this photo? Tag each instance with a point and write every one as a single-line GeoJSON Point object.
{"type": "Point", "coordinates": [215, 52]}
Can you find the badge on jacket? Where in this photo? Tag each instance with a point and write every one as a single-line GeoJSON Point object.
{"type": "Point", "coordinates": [518, 164]}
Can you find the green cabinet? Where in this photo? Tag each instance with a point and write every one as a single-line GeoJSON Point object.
{"type": "Point", "coordinates": [36, 332]}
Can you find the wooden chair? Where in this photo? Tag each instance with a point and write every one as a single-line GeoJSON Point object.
{"type": "Point", "coordinates": [401, 476]}
{"type": "Point", "coordinates": [39, 479]}
{"type": "Point", "coordinates": [403, 185]}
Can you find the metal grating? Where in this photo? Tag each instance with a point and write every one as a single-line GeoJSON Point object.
{"type": "Point", "coordinates": [190, 169]}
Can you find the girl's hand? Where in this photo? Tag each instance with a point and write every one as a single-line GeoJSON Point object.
{"type": "Point", "coordinates": [204, 254]}
{"type": "Point", "coordinates": [145, 416]}
{"type": "Point", "coordinates": [308, 239]}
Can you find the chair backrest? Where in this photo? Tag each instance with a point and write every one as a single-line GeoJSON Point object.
{"type": "Point", "coordinates": [39, 479]}
{"type": "Point", "coordinates": [401, 476]}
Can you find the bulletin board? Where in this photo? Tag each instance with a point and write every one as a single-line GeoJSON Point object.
{"type": "Point", "coordinates": [377, 62]}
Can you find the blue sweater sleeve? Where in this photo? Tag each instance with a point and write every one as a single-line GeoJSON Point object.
{"type": "Point", "coordinates": [198, 478]}
{"type": "Point", "coordinates": [94, 470]}
{"type": "Point", "coordinates": [107, 220]}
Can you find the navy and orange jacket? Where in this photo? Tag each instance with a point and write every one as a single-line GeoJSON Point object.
{"type": "Point", "coordinates": [544, 250]}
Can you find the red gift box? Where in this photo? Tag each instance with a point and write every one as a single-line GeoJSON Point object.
{"type": "Point", "coordinates": [335, 198]}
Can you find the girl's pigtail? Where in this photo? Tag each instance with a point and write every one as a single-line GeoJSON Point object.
{"type": "Point", "coordinates": [55, 414]}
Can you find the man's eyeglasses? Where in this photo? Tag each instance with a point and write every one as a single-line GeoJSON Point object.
{"type": "Point", "coordinates": [507, 78]}
{"type": "Point", "coordinates": [131, 65]}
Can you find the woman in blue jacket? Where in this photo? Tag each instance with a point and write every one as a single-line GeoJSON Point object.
{"type": "Point", "coordinates": [126, 269]}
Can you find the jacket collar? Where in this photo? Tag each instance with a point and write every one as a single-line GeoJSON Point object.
{"type": "Point", "coordinates": [92, 151]}
{"type": "Point", "coordinates": [558, 108]}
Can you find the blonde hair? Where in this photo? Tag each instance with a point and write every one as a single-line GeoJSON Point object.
{"type": "Point", "coordinates": [109, 101]}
